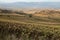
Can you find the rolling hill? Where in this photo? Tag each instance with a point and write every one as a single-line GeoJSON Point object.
{"type": "Point", "coordinates": [40, 25]}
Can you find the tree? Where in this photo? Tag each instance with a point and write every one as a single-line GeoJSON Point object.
{"type": "Point", "coordinates": [30, 15]}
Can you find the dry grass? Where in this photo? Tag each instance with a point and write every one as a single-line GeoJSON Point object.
{"type": "Point", "coordinates": [30, 27]}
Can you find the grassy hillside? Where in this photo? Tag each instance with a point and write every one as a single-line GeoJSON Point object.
{"type": "Point", "coordinates": [23, 26]}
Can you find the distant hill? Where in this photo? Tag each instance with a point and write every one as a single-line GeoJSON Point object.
{"type": "Point", "coordinates": [31, 5]}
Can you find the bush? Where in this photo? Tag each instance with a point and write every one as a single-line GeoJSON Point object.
{"type": "Point", "coordinates": [30, 15]}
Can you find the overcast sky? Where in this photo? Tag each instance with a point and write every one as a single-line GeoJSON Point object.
{"type": "Point", "coordinates": [9, 1]}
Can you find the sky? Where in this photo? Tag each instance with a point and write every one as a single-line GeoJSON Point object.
{"type": "Point", "coordinates": [10, 1]}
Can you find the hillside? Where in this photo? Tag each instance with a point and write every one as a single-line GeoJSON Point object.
{"type": "Point", "coordinates": [37, 25]}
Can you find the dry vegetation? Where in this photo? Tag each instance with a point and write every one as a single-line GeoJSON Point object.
{"type": "Point", "coordinates": [43, 25]}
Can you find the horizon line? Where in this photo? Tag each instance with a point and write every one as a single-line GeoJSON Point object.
{"type": "Point", "coordinates": [26, 2]}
